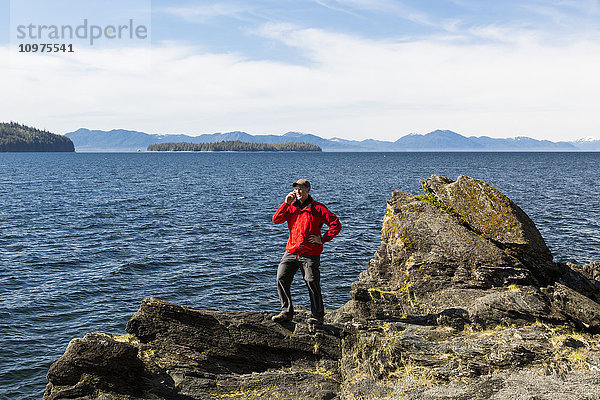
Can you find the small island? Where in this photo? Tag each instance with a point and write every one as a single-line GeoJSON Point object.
{"type": "Point", "coordinates": [233, 145]}
{"type": "Point", "coordinates": [15, 137]}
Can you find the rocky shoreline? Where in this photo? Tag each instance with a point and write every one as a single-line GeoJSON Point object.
{"type": "Point", "coordinates": [462, 300]}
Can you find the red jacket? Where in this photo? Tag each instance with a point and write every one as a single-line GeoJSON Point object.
{"type": "Point", "coordinates": [306, 221]}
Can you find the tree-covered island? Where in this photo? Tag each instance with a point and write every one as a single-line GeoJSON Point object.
{"type": "Point", "coordinates": [15, 137]}
{"type": "Point", "coordinates": [234, 145]}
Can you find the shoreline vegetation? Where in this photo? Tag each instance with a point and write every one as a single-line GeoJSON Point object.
{"type": "Point", "coordinates": [15, 137]}
{"type": "Point", "coordinates": [232, 145]}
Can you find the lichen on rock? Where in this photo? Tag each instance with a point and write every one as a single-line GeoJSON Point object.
{"type": "Point", "coordinates": [461, 300]}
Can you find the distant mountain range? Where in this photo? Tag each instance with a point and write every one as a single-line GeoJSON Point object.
{"type": "Point", "coordinates": [439, 140]}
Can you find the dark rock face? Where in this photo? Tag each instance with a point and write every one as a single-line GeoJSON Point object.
{"type": "Point", "coordinates": [175, 352]}
{"type": "Point", "coordinates": [96, 361]}
{"type": "Point", "coordinates": [461, 301]}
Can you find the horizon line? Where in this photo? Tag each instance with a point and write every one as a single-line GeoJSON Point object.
{"type": "Point", "coordinates": [586, 138]}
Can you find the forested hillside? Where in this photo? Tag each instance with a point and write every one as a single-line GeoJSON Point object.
{"type": "Point", "coordinates": [21, 138]}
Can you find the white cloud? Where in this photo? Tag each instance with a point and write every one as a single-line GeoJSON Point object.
{"type": "Point", "coordinates": [351, 88]}
{"type": "Point", "coordinates": [203, 12]}
{"type": "Point", "coordinates": [395, 8]}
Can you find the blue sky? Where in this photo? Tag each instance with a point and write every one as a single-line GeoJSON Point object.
{"type": "Point", "coordinates": [353, 69]}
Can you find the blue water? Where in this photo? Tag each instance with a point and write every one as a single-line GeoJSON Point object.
{"type": "Point", "coordinates": [85, 237]}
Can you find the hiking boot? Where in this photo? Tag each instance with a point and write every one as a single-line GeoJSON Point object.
{"type": "Point", "coordinates": [315, 320]}
{"type": "Point", "coordinates": [282, 317]}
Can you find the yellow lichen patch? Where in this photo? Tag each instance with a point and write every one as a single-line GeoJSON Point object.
{"type": "Point", "coordinates": [556, 340]}
{"type": "Point", "coordinates": [564, 357]}
{"type": "Point", "coordinates": [513, 288]}
{"type": "Point", "coordinates": [106, 335]}
{"type": "Point", "coordinates": [408, 376]}
{"type": "Point", "coordinates": [580, 337]}
{"type": "Point", "coordinates": [403, 290]}
{"type": "Point", "coordinates": [388, 213]}
{"type": "Point", "coordinates": [445, 328]}
{"type": "Point", "coordinates": [448, 356]}
{"type": "Point", "coordinates": [327, 373]}
{"type": "Point", "coordinates": [435, 201]}
{"type": "Point", "coordinates": [500, 221]}
{"type": "Point", "coordinates": [147, 353]}
{"type": "Point", "coordinates": [392, 229]}
{"type": "Point", "coordinates": [579, 358]}
{"type": "Point", "coordinates": [246, 393]}
{"type": "Point", "coordinates": [476, 329]}
{"type": "Point", "coordinates": [254, 389]}
{"type": "Point", "coordinates": [323, 371]}
{"type": "Point", "coordinates": [559, 334]}
{"type": "Point", "coordinates": [402, 293]}
{"type": "Point", "coordinates": [127, 338]}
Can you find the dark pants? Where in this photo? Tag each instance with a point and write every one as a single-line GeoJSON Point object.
{"type": "Point", "coordinates": [309, 265]}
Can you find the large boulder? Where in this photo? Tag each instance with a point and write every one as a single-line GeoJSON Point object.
{"type": "Point", "coordinates": [463, 248]}
{"type": "Point", "coordinates": [490, 213]}
{"type": "Point", "coordinates": [95, 363]}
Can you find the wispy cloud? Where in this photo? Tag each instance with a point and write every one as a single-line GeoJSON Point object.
{"type": "Point", "coordinates": [204, 12]}
{"type": "Point", "coordinates": [396, 8]}
{"type": "Point", "coordinates": [331, 5]}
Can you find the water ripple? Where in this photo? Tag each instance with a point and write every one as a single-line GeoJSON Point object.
{"type": "Point", "coordinates": [84, 237]}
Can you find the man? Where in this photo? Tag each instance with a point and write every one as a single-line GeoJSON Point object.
{"type": "Point", "coordinates": [305, 217]}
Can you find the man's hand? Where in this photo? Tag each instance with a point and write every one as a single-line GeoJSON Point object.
{"type": "Point", "coordinates": [290, 197]}
{"type": "Point", "coordinates": [315, 239]}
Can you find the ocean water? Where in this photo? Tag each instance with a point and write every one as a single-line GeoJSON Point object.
{"type": "Point", "coordinates": [85, 237]}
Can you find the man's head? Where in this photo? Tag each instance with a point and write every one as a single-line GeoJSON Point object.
{"type": "Point", "coordinates": [302, 189]}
